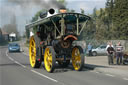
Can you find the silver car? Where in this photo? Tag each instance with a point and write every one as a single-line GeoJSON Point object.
{"type": "Point", "coordinates": [101, 50]}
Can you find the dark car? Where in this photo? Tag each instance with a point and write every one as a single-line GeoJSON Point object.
{"type": "Point", "coordinates": [14, 47]}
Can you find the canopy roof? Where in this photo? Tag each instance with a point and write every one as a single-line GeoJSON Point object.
{"type": "Point", "coordinates": [68, 17]}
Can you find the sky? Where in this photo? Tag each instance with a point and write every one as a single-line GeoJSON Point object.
{"type": "Point", "coordinates": [87, 5]}
{"type": "Point", "coordinates": [24, 10]}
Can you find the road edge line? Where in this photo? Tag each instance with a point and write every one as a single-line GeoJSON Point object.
{"type": "Point", "coordinates": [44, 76]}
{"type": "Point", "coordinates": [13, 60]}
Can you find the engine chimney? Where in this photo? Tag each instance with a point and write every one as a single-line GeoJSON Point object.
{"type": "Point", "coordinates": [51, 11]}
{"type": "Point", "coordinates": [48, 13]}
{"type": "Point", "coordinates": [62, 10]}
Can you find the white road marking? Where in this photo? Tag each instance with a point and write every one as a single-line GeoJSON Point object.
{"type": "Point", "coordinates": [31, 70]}
{"type": "Point", "coordinates": [110, 75]}
{"type": "Point", "coordinates": [125, 79]}
{"type": "Point", "coordinates": [7, 53]}
{"type": "Point", "coordinates": [44, 76]}
{"type": "Point", "coordinates": [13, 60]}
{"type": "Point", "coordinates": [9, 56]}
{"type": "Point", "coordinates": [20, 64]}
{"type": "Point", "coordinates": [0, 53]}
{"type": "Point", "coordinates": [97, 72]}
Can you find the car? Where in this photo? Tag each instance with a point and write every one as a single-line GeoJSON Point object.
{"type": "Point", "coordinates": [14, 47]}
{"type": "Point", "coordinates": [101, 50]}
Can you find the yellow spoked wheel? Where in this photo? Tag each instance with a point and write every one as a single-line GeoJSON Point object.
{"type": "Point", "coordinates": [77, 58]}
{"type": "Point", "coordinates": [49, 59]}
{"type": "Point", "coordinates": [33, 53]}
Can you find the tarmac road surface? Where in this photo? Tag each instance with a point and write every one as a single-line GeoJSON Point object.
{"type": "Point", "coordinates": [15, 70]}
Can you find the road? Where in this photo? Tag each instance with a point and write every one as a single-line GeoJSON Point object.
{"type": "Point", "coordinates": [15, 70]}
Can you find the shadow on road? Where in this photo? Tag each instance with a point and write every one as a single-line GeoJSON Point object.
{"type": "Point", "coordinates": [92, 67]}
{"type": "Point", "coordinates": [59, 69]}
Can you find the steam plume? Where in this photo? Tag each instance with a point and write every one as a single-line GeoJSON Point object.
{"type": "Point", "coordinates": [23, 10]}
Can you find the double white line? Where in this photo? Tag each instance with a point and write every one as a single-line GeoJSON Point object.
{"type": "Point", "coordinates": [14, 60]}
{"type": "Point", "coordinates": [31, 70]}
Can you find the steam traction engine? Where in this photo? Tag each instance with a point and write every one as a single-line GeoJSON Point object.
{"type": "Point", "coordinates": [53, 40]}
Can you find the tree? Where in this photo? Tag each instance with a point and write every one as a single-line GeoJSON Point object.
{"type": "Point", "coordinates": [27, 33]}
{"type": "Point", "coordinates": [94, 15]}
{"type": "Point", "coordinates": [110, 9]}
{"type": "Point", "coordinates": [109, 23]}
{"type": "Point", "coordinates": [109, 16]}
{"type": "Point", "coordinates": [72, 10]}
{"type": "Point", "coordinates": [12, 26]}
{"type": "Point", "coordinates": [120, 19]}
{"type": "Point", "coordinates": [36, 16]}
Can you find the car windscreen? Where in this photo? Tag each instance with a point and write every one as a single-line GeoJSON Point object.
{"type": "Point", "coordinates": [102, 47]}
{"type": "Point", "coordinates": [13, 44]}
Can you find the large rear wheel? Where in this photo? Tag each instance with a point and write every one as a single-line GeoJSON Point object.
{"type": "Point", "coordinates": [49, 59]}
{"type": "Point", "coordinates": [33, 52]}
{"type": "Point", "coordinates": [77, 58]}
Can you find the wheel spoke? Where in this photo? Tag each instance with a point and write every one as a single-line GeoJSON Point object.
{"type": "Point", "coordinates": [78, 64]}
{"type": "Point", "coordinates": [73, 59]}
{"type": "Point", "coordinates": [76, 58]}
{"type": "Point", "coordinates": [50, 63]}
{"type": "Point", "coordinates": [48, 59]}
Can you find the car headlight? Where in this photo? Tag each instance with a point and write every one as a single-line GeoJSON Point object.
{"type": "Point", "coordinates": [10, 48]}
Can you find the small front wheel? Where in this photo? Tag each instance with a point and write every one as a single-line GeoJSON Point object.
{"type": "Point", "coordinates": [49, 59]}
{"type": "Point", "coordinates": [77, 58]}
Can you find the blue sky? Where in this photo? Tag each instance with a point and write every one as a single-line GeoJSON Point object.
{"type": "Point", "coordinates": [23, 14]}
